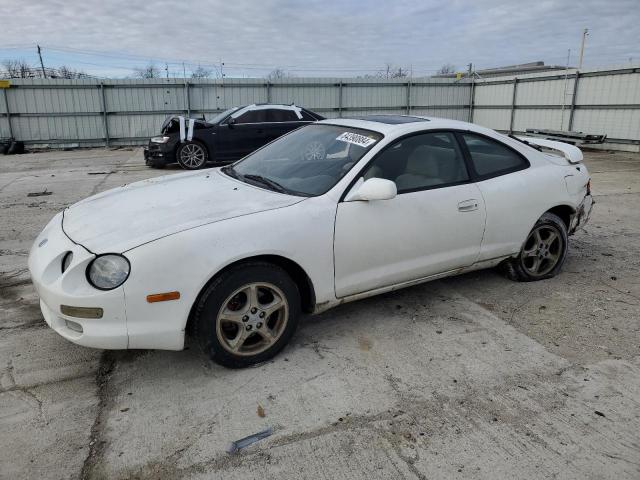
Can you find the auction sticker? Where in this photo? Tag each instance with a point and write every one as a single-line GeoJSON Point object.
{"type": "Point", "coordinates": [356, 139]}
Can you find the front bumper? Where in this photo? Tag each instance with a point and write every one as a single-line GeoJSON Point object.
{"type": "Point", "coordinates": [582, 215]}
{"type": "Point", "coordinates": [156, 154]}
{"type": "Point", "coordinates": [72, 289]}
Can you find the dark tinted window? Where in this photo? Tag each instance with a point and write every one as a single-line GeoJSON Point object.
{"type": "Point", "coordinates": [490, 157]}
{"type": "Point", "coordinates": [421, 161]}
{"type": "Point", "coordinates": [277, 115]}
{"type": "Point", "coordinates": [307, 117]}
{"type": "Point", "coordinates": [252, 116]}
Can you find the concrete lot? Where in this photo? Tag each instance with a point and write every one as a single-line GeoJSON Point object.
{"type": "Point", "coordinates": [470, 377]}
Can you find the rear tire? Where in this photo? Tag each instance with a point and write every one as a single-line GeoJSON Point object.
{"type": "Point", "coordinates": [543, 252]}
{"type": "Point", "coordinates": [247, 315]}
{"type": "Point", "coordinates": [192, 155]}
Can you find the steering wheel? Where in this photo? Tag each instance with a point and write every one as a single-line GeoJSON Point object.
{"type": "Point", "coordinates": [314, 151]}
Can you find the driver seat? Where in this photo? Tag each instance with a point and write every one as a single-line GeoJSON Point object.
{"type": "Point", "coordinates": [422, 169]}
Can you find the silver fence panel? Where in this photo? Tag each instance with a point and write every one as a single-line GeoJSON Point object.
{"type": "Point", "coordinates": [122, 112]}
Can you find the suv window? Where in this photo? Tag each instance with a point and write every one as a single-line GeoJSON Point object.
{"type": "Point", "coordinates": [252, 116]}
{"type": "Point", "coordinates": [278, 115]}
{"type": "Point", "coordinates": [490, 157]}
{"type": "Point", "coordinates": [428, 160]}
{"type": "Point", "coordinates": [307, 117]}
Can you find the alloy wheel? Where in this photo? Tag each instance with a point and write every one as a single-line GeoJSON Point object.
{"type": "Point", "coordinates": [252, 319]}
{"type": "Point", "coordinates": [542, 251]}
{"type": "Point", "coordinates": [192, 155]}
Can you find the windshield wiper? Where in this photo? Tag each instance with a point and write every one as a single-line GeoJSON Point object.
{"type": "Point", "coordinates": [266, 181]}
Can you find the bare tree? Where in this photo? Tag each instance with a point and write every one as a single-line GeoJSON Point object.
{"type": "Point", "coordinates": [278, 74]}
{"type": "Point", "coordinates": [390, 71]}
{"type": "Point", "coordinates": [68, 72]}
{"type": "Point", "coordinates": [446, 69]}
{"type": "Point", "coordinates": [150, 71]}
{"type": "Point", "coordinates": [201, 72]}
{"type": "Point", "coordinates": [19, 69]}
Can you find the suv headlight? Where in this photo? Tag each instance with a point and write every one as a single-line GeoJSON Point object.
{"type": "Point", "coordinates": [159, 139]}
{"type": "Point", "coordinates": [108, 271]}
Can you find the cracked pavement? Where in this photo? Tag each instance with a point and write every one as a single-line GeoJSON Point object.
{"type": "Point", "coordinates": [469, 377]}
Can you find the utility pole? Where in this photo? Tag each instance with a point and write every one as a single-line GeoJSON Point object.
{"type": "Point", "coordinates": [564, 93]}
{"type": "Point", "coordinates": [470, 71]}
{"type": "Point", "coordinates": [585, 32]}
{"type": "Point", "coordinates": [44, 75]}
{"type": "Point", "coordinates": [166, 69]}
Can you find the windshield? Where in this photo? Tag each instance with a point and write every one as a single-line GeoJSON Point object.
{"type": "Point", "coordinates": [222, 115]}
{"type": "Point", "coordinates": [308, 161]}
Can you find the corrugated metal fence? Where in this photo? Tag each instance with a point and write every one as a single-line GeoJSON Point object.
{"type": "Point", "coordinates": [125, 112]}
{"type": "Point", "coordinates": [595, 101]}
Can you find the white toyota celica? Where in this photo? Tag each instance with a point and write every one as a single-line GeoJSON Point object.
{"type": "Point", "coordinates": [332, 212]}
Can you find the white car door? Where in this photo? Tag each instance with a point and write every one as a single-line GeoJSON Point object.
{"type": "Point", "coordinates": [513, 193]}
{"type": "Point", "coordinates": [434, 224]}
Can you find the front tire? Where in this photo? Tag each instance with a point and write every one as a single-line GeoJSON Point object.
{"type": "Point", "coordinates": [543, 253]}
{"type": "Point", "coordinates": [192, 155]}
{"type": "Point", "coordinates": [247, 314]}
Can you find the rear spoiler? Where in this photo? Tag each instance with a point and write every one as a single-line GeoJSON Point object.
{"type": "Point", "coordinates": [572, 153]}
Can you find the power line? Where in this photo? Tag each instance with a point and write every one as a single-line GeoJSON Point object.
{"type": "Point", "coordinates": [178, 62]}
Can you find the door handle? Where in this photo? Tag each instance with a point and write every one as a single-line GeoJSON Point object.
{"type": "Point", "coordinates": [468, 205]}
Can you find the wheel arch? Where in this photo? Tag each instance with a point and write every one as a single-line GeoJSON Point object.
{"type": "Point", "coordinates": [565, 212]}
{"type": "Point", "coordinates": [204, 144]}
{"type": "Point", "coordinates": [293, 269]}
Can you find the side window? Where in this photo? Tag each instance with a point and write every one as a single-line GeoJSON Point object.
{"type": "Point", "coordinates": [252, 116]}
{"type": "Point", "coordinates": [277, 115]}
{"type": "Point", "coordinates": [428, 160]}
{"type": "Point", "coordinates": [490, 157]}
{"type": "Point", "coordinates": [307, 117]}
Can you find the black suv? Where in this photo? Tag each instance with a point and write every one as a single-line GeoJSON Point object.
{"type": "Point", "coordinates": [228, 136]}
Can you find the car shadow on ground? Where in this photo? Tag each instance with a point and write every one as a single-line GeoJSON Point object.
{"type": "Point", "coordinates": [362, 321]}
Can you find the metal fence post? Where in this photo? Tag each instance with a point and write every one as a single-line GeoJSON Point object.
{"type": "Point", "coordinates": [340, 99]}
{"type": "Point", "coordinates": [573, 100]}
{"type": "Point", "coordinates": [104, 115]}
{"type": "Point", "coordinates": [6, 107]}
{"type": "Point", "coordinates": [188, 99]}
{"type": "Point", "coordinates": [513, 104]}
{"type": "Point", "coordinates": [409, 97]}
{"type": "Point", "coordinates": [472, 98]}
{"type": "Point", "coordinates": [268, 86]}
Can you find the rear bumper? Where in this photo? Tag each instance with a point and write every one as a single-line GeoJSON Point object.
{"type": "Point", "coordinates": [583, 212]}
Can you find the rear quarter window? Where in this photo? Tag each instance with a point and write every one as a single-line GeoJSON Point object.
{"type": "Point", "coordinates": [307, 117]}
{"type": "Point", "coordinates": [279, 115]}
{"type": "Point", "coordinates": [491, 158]}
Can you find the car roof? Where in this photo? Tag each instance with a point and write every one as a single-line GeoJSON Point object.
{"type": "Point", "coordinates": [392, 119]}
{"type": "Point", "coordinates": [266, 106]}
{"type": "Point", "coordinates": [262, 106]}
{"type": "Point", "coordinates": [398, 128]}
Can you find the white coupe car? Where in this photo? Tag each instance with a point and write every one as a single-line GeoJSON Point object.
{"type": "Point", "coordinates": [332, 212]}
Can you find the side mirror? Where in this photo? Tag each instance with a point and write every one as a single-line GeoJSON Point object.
{"type": "Point", "coordinates": [373, 189]}
{"type": "Point", "coordinates": [231, 122]}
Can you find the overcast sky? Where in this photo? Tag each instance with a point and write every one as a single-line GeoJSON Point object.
{"type": "Point", "coordinates": [317, 37]}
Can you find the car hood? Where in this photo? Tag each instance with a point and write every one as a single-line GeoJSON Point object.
{"type": "Point", "coordinates": [129, 216]}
